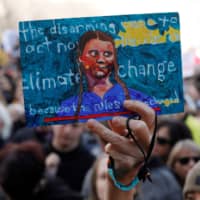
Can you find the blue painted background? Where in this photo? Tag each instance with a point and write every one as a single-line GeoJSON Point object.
{"type": "Point", "coordinates": [52, 64]}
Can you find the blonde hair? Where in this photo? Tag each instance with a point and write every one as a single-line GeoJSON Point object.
{"type": "Point", "coordinates": [94, 194]}
{"type": "Point", "coordinates": [183, 144]}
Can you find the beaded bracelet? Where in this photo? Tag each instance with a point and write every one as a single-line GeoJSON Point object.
{"type": "Point", "coordinates": [121, 186]}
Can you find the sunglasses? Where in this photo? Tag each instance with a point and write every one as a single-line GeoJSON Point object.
{"type": "Point", "coordinates": [163, 141]}
{"type": "Point", "coordinates": [186, 160]}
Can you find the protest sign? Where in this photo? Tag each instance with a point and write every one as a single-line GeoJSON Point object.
{"type": "Point", "coordinates": [81, 68]}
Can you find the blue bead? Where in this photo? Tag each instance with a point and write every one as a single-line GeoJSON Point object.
{"type": "Point", "coordinates": [121, 186]}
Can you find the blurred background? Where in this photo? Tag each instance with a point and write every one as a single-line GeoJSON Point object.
{"type": "Point", "coordinates": [11, 12]}
{"type": "Point", "coordinates": [30, 157]}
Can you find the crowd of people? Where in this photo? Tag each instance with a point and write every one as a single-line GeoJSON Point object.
{"type": "Point", "coordinates": [71, 161]}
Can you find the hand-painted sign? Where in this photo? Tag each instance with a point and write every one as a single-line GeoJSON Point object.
{"type": "Point", "coordinates": [81, 68]}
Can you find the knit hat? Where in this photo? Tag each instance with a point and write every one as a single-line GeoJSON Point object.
{"type": "Point", "coordinates": [192, 182]}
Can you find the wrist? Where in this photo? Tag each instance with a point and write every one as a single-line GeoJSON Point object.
{"type": "Point", "coordinates": [118, 193]}
{"type": "Point", "coordinates": [125, 184]}
{"type": "Point", "coordinates": [126, 176]}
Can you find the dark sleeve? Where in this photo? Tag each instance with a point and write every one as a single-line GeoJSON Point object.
{"type": "Point", "coordinates": [56, 189]}
{"type": "Point", "coordinates": [22, 135]}
{"type": "Point", "coordinates": [164, 187]}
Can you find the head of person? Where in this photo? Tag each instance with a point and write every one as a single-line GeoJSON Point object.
{"type": "Point", "coordinates": [191, 190]}
{"type": "Point", "coordinates": [97, 54]}
{"type": "Point", "coordinates": [8, 87]}
{"type": "Point", "coordinates": [21, 168]}
{"type": "Point", "coordinates": [10, 44]}
{"type": "Point", "coordinates": [5, 122]}
{"type": "Point", "coordinates": [169, 132]}
{"type": "Point", "coordinates": [67, 137]}
{"type": "Point", "coordinates": [16, 111]}
{"type": "Point", "coordinates": [183, 156]}
{"type": "Point", "coordinates": [99, 175]}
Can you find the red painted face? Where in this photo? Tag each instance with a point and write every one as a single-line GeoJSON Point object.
{"type": "Point", "coordinates": [97, 58]}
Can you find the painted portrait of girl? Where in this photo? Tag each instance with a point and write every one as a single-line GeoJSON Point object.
{"type": "Point", "coordinates": [104, 97]}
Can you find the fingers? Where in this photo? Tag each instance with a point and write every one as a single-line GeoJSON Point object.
{"type": "Point", "coordinates": [126, 167]}
{"type": "Point", "coordinates": [126, 154]}
{"type": "Point", "coordinates": [138, 127]}
{"type": "Point", "coordinates": [121, 143]}
{"type": "Point", "coordinates": [116, 126]}
{"type": "Point", "coordinates": [128, 160]}
{"type": "Point", "coordinates": [147, 114]}
{"type": "Point", "coordinates": [104, 133]}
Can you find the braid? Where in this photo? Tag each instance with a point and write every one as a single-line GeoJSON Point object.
{"type": "Point", "coordinates": [82, 42]}
{"type": "Point", "coordinates": [117, 78]}
{"type": "Point", "coordinates": [80, 98]}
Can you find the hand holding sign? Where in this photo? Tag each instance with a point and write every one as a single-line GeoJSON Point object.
{"type": "Point", "coordinates": [124, 151]}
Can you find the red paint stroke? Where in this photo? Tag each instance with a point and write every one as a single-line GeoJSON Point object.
{"type": "Point", "coordinates": [63, 118]}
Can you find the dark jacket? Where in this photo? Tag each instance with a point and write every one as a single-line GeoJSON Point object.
{"type": "Point", "coordinates": [164, 185]}
{"type": "Point", "coordinates": [73, 166]}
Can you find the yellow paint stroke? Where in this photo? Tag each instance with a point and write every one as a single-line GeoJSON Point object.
{"type": "Point", "coordinates": [168, 102]}
{"type": "Point", "coordinates": [136, 33]}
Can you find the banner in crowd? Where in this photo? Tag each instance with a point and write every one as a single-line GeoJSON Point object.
{"type": "Point", "coordinates": [79, 68]}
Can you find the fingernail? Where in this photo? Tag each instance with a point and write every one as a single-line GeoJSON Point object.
{"type": "Point", "coordinates": [128, 102]}
{"type": "Point", "coordinates": [116, 120]}
{"type": "Point", "coordinates": [107, 148]}
{"type": "Point", "coordinates": [90, 123]}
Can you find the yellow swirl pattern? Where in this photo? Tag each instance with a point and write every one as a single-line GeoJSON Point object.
{"type": "Point", "coordinates": [138, 34]}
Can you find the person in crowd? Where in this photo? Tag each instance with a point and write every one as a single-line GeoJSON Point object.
{"type": "Point", "coordinates": [21, 167]}
{"type": "Point", "coordinates": [5, 124]}
{"type": "Point", "coordinates": [98, 178]}
{"type": "Point", "coordinates": [184, 155]}
{"type": "Point", "coordinates": [22, 177]}
{"type": "Point", "coordinates": [7, 87]}
{"type": "Point", "coordinates": [10, 45]}
{"type": "Point", "coordinates": [16, 111]}
{"type": "Point", "coordinates": [165, 186]}
{"type": "Point", "coordinates": [41, 134]}
{"type": "Point", "coordinates": [191, 190]}
{"type": "Point", "coordinates": [169, 132]}
{"type": "Point", "coordinates": [75, 159]}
